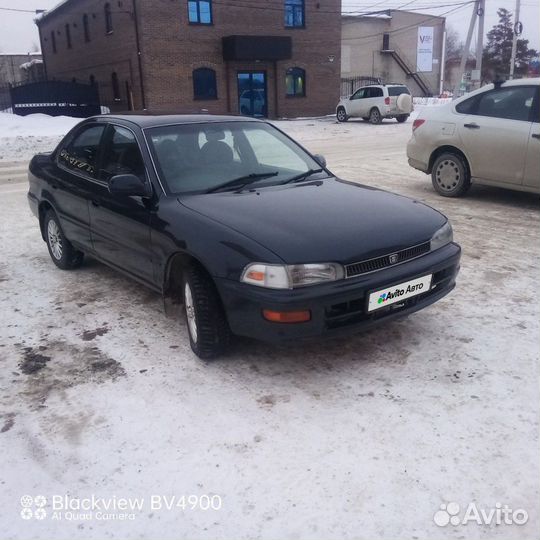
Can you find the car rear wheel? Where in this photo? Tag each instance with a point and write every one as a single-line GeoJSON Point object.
{"type": "Point", "coordinates": [341, 115]}
{"type": "Point", "coordinates": [402, 118]}
{"type": "Point", "coordinates": [450, 175]}
{"type": "Point", "coordinates": [209, 333]}
{"type": "Point", "coordinates": [375, 116]}
{"type": "Point", "coordinates": [62, 252]}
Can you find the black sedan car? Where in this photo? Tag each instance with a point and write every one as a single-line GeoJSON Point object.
{"type": "Point", "coordinates": [240, 223]}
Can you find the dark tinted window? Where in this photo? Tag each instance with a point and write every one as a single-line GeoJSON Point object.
{"type": "Point", "coordinates": [397, 90]}
{"type": "Point", "coordinates": [359, 94]}
{"type": "Point", "coordinates": [122, 154]}
{"type": "Point", "coordinates": [81, 153]}
{"type": "Point", "coordinates": [467, 106]}
{"type": "Point", "coordinates": [511, 103]}
{"type": "Point", "coordinates": [536, 107]}
{"type": "Point", "coordinates": [204, 84]}
{"type": "Point", "coordinates": [295, 82]}
{"type": "Point", "coordinates": [108, 18]}
{"type": "Point", "coordinates": [375, 92]}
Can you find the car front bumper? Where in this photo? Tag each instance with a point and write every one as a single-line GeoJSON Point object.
{"type": "Point", "coordinates": [340, 306]}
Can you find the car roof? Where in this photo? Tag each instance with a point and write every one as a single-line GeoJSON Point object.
{"type": "Point", "coordinates": [150, 119]}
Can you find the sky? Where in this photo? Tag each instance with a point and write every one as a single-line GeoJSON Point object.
{"type": "Point", "coordinates": [18, 33]}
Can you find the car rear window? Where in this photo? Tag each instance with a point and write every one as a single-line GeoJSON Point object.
{"type": "Point", "coordinates": [397, 90]}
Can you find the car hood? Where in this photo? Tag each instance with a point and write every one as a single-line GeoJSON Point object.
{"type": "Point", "coordinates": [322, 221]}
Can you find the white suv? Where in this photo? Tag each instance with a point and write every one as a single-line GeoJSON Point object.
{"type": "Point", "coordinates": [490, 136]}
{"type": "Point", "coordinates": [375, 102]}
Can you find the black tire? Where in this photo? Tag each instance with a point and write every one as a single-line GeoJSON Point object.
{"type": "Point", "coordinates": [61, 250]}
{"type": "Point", "coordinates": [375, 116]}
{"type": "Point", "coordinates": [402, 118]}
{"type": "Point", "coordinates": [212, 335]}
{"type": "Point", "coordinates": [341, 114]}
{"type": "Point", "coordinates": [450, 175]}
{"type": "Point", "coordinates": [365, 118]}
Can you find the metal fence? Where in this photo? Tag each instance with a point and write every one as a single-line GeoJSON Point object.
{"type": "Point", "coordinates": [349, 85]}
{"type": "Point", "coordinates": [51, 97]}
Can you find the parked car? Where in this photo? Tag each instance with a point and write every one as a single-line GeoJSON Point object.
{"type": "Point", "coordinates": [375, 102]}
{"type": "Point", "coordinates": [240, 223]}
{"type": "Point", "coordinates": [490, 136]}
{"type": "Point", "coordinates": [255, 97]}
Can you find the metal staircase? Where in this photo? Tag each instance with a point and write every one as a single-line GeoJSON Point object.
{"type": "Point", "coordinates": [404, 63]}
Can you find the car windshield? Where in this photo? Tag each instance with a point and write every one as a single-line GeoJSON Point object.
{"type": "Point", "coordinates": [397, 90]}
{"type": "Point", "coordinates": [204, 157]}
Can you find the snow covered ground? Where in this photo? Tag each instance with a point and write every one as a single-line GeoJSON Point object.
{"type": "Point", "coordinates": [355, 438]}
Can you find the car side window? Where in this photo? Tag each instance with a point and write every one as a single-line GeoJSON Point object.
{"type": "Point", "coordinates": [375, 92]}
{"type": "Point", "coordinates": [81, 153]}
{"type": "Point", "coordinates": [359, 94]}
{"type": "Point", "coordinates": [511, 103]}
{"type": "Point", "coordinates": [467, 106]}
{"type": "Point", "coordinates": [535, 112]}
{"type": "Point", "coordinates": [121, 155]}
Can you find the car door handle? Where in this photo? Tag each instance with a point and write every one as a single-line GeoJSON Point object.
{"type": "Point", "coordinates": [536, 135]}
{"type": "Point", "coordinates": [471, 126]}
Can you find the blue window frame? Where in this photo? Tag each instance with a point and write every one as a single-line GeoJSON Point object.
{"type": "Point", "coordinates": [200, 11]}
{"type": "Point", "coordinates": [294, 13]}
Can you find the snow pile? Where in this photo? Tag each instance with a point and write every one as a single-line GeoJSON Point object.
{"type": "Point", "coordinates": [23, 136]}
{"type": "Point", "coordinates": [430, 101]}
{"type": "Point", "coordinates": [28, 65]}
{"type": "Point", "coordinates": [35, 124]}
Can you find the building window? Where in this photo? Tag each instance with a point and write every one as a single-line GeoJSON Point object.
{"type": "Point", "coordinates": [86, 28]}
{"type": "Point", "coordinates": [294, 13]}
{"type": "Point", "coordinates": [53, 42]}
{"type": "Point", "coordinates": [204, 84]}
{"type": "Point", "coordinates": [115, 87]}
{"type": "Point", "coordinates": [295, 82]}
{"type": "Point", "coordinates": [108, 18]}
{"type": "Point", "coordinates": [68, 36]}
{"type": "Point", "coordinates": [200, 11]}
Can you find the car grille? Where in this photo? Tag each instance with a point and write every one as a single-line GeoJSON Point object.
{"type": "Point", "coordinates": [371, 265]}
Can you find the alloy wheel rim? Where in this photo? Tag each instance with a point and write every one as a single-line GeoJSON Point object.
{"type": "Point", "coordinates": [375, 116]}
{"type": "Point", "coordinates": [190, 312]}
{"type": "Point", "coordinates": [55, 240]}
{"type": "Point", "coordinates": [341, 115]}
{"type": "Point", "coordinates": [447, 175]}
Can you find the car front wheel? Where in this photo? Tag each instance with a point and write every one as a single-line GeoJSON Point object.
{"type": "Point", "coordinates": [62, 252]}
{"type": "Point", "coordinates": [209, 333]}
{"type": "Point", "coordinates": [375, 116]}
{"type": "Point", "coordinates": [341, 115]}
{"type": "Point", "coordinates": [450, 175]}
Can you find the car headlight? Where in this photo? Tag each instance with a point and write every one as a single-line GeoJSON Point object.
{"type": "Point", "coordinates": [279, 276]}
{"type": "Point", "coordinates": [442, 237]}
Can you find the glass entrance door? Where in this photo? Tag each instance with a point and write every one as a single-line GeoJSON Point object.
{"type": "Point", "coordinates": [252, 93]}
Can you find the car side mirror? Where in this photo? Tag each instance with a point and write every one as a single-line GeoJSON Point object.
{"type": "Point", "coordinates": [320, 159]}
{"type": "Point", "coordinates": [129, 185]}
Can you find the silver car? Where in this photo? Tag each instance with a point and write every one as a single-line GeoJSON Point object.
{"type": "Point", "coordinates": [490, 136]}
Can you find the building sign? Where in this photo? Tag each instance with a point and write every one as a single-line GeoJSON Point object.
{"type": "Point", "coordinates": [424, 49]}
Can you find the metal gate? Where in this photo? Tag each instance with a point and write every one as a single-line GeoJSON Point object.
{"type": "Point", "coordinates": [56, 98]}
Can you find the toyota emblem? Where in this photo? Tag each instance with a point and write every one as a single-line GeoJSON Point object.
{"type": "Point", "coordinates": [393, 258]}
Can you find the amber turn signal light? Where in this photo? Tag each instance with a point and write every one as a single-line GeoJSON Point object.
{"type": "Point", "coordinates": [287, 316]}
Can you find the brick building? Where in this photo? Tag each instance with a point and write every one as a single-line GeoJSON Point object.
{"type": "Point", "coordinates": [272, 58]}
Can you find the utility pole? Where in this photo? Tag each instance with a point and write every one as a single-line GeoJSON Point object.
{"type": "Point", "coordinates": [514, 39]}
{"type": "Point", "coordinates": [465, 55]}
{"type": "Point", "coordinates": [443, 64]}
{"type": "Point", "coordinates": [480, 42]}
